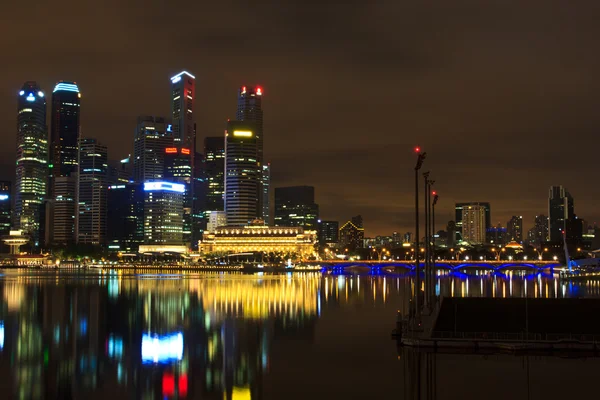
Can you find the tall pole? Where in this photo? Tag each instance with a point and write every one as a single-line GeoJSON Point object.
{"type": "Point", "coordinates": [432, 279]}
{"type": "Point", "coordinates": [420, 159]}
{"type": "Point", "coordinates": [427, 236]}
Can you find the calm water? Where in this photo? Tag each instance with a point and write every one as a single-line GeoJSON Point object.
{"type": "Point", "coordinates": [233, 336]}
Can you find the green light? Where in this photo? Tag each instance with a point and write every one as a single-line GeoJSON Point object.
{"type": "Point", "coordinates": [46, 356]}
{"type": "Point", "coordinates": [50, 165]}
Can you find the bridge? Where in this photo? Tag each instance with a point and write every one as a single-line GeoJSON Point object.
{"type": "Point", "coordinates": [340, 266]}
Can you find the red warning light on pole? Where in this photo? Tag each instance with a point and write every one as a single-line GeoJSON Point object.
{"type": "Point", "coordinates": [434, 193]}
{"type": "Point", "coordinates": [417, 149]}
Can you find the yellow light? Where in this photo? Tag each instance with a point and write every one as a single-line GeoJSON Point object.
{"type": "Point", "coordinates": [242, 133]}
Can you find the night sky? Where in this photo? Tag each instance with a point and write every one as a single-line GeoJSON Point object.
{"type": "Point", "coordinates": [503, 95]}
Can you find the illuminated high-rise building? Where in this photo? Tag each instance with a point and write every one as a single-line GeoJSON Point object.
{"type": "Point", "coordinates": [65, 129]}
{"type": "Point", "coordinates": [163, 212]}
{"type": "Point", "coordinates": [514, 228]}
{"type": "Point", "coordinates": [178, 169]}
{"type": "Point", "coordinates": [458, 209]}
{"type": "Point", "coordinates": [92, 187]}
{"type": "Point", "coordinates": [249, 109]}
{"type": "Point", "coordinates": [5, 208]}
{"type": "Point", "coordinates": [152, 136]}
{"type": "Point", "coordinates": [60, 228]}
{"type": "Point", "coordinates": [561, 211]}
{"type": "Point", "coordinates": [32, 160]}
{"type": "Point", "coordinates": [214, 156]}
{"type": "Point", "coordinates": [295, 206]}
{"type": "Point", "coordinates": [473, 219]}
{"type": "Point", "coordinates": [328, 232]}
{"type": "Point", "coordinates": [183, 91]}
{"type": "Point", "coordinates": [242, 174]}
{"type": "Point", "coordinates": [125, 222]}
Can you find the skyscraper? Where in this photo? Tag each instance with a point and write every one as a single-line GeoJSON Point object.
{"type": "Point", "coordinates": [540, 229]}
{"type": "Point", "coordinates": [32, 160]}
{"type": "Point", "coordinates": [351, 236]}
{"type": "Point", "coordinates": [266, 194]}
{"type": "Point", "coordinates": [64, 155]}
{"type": "Point", "coordinates": [163, 213]}
{"type": "Point", "coordinates": [487, 220]}
{"type": "Point", "coordinates": [183, 91]}
{"type": "Point", "coordinates": [178, 169]}
{"type": "Point", "coordinates": [125, 222]}
{"type": "Point", "coordinates": [295, 206]}
{"type": "Point", "coordinates": [214, 154]}
{"type": "Point", "coordinates": [92, 193]}
{"type": "Point", "coordinates": [65, 132]}
{"type": "Point", "coordinates": [328, 232]}
{"type": "Point", "coordinates": [152, 136]}
{"type": "Point", "coordinates": [5, 209]}
{"type": "Point", "coordinates": [249, 109]}
{"type": "Point", "coordinates": [514, 228]}
{"type": "Point", "coordinates": [242, 174]}
{"type": "Point", "coordinates": [473, 219]}
{"type": "Point", "coordinates": [561, 210]}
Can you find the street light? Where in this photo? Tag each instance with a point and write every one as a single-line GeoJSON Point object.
{"type": "Point", "coordinates": [420, 159]}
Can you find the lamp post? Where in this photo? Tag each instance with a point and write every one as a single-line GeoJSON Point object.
{"type": "Point", "coordinates": [432, 266]}
{"type": "Point", "coordinates": [427, 260]}
{"type": "Point", "coordinates": [420, 159]}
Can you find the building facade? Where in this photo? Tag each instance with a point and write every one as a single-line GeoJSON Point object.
{"type": "Point", "coordinates": [183, 92]}
{"type": "Point", "coordinates": [249, 109]}
{"type": "Point", "coordinates": [5, 207]}
{"type": "Point", "coordinates": [266, 194]}
{"type": "Point", "coordinates": [473, 223]}
{"type": "Point", "coordinates": [328, 232]}
{"type": "Point", "coordinates": [92, 191]}
{"type": "Point", "coordinates": [61, 218]}
{"type": "Point", "coordinates": [163, 213]}
{"type": "Point", "coordinates": [125, 222]}
{"type": "Point", "coordinates": [65, 129]}
{"type": "Point", "coordinates": [216, 219]}
{"type": "Point", "coordinates": [458, 214]}
{"type": "Point", "coordinates": [178, 169]}
{"type": "Point", "coordinates": [214, 155]}
{"type": "Point", "coordinates": [242, 174]}
{"type": "Point", "coordinates": [295, 206]}
{"type": "Point", "coordinates": [561, 210]}
{"type": "Point", "coordinates": [259, 238]}
{"type": "Point", "coordinates": [32, 161]}
{"type": "Point", "coordinates": [152, 136]}
{"type": "Point", "coordinates": [514, 228]}
{"type": "Point", "coordinates": [351, 235]}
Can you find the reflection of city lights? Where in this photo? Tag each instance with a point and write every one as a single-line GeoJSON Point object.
{"type": "Point", "coordinates": [1, 335]}
{"type": "Point", "coordinates": [165, 349]}
{"type": "Point", "coordinates": [241, 393]}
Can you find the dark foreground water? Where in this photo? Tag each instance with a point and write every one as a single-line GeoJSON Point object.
{"type": "Point", "coordinates": [115, 335]}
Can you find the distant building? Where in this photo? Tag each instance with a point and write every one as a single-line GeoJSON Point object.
{"type": "Point", "coordinates": [163, 213]}
{"type": "Point", "coordinates": [560, 210]}
{"type": "Point", "coordinates": [214, 154]}
{"type": "Point", "coordinates": [539, 232]}
{"type": "Point", "coordinates": [266, 194]}
{"type": "Point", "coordinates": [498, 235]}
{"type": "Point", "coordinates": [358, 221]}
{"type": "Point", "coordinates": [351, 236]}
{"type": "Point", "coordinates": [451, 233]}
{"type": "Point", "coordinates": [61, 226]}
{"type": "Point", "coordinates": [31, 162]}
{"type": "Point", "coordinates": [259, 238]}
{"type": "Point", "coordinates": [178, 169]}
{"type": "Point", "coordinates": [242, 174]}
{"type": "Point", "coordinates": [90, 220]}
{"type": "Point", "coordinates": [152, 136]}
{"type": "Point", "coordinates": [119, 171]}
{"type": "Point", "coordinates": [65, 133]}
{"type": "Point", "coordinates": [5, 208]}
{"type": "Point", "coordinates": [514, 229]}
{"type": "Point", "coordinates": [125, 222]}
{"type": "Point", "coordinates": [473, 223]}
{"type": "Point", "coordinates": [183, 92]}
{"type": "Point", "coordinates": [484, 206]}
{"type": "Point", "coordinates": [328, 232]}
{"type": "Point", "coordinates": [295, 206]}
{"type": "Point", "coordinates": [215, 220]}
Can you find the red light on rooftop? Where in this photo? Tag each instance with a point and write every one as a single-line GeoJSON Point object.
{"type": "Point", "coordinates": [243, 89]}
{"type": "Point", "coordinates": [185, 151]}
{"type": "Point", "coordinates": [171, 150]}
{"type": "Point", "coordinates": [259, 91]}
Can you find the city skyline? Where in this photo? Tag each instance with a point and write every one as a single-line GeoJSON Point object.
{"type": "Point", "coordinates": [499, 102]}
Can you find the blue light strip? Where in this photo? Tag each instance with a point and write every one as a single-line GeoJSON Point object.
{"type": "Point", "coordinates": [177, 77]}
{"type": "Point", "coordinates": [66, 87]}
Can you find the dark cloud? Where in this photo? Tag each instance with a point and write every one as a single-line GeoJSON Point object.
{"type": "Point", "coordinates": [501, 94]}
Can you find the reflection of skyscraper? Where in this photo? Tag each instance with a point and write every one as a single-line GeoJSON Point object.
{"type": "Point", "coordinates": [242, 174]}
{"type": "Point", "coordinates": [32, 156]}
{"type": "Point", "coordinates": [91, 193]}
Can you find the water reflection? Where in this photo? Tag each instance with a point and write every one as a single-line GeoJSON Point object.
{"type": "Point", "coordinates": [200, 335]}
